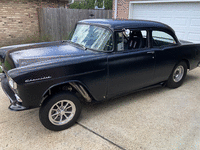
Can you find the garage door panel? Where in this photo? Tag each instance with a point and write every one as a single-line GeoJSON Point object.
{"type": "Point", "coordinates": [181, 21]}
{"type": "Point", "coordinates": [165, 19]}
{"type": "Point", "coordinates": [195, 13]}
{"type": "Point", "coordinates": [183, 17]}
{"type": "Point", "coordinates": [194, 30]}
{"type": "Point", "coordinates": [194, 37]}
{"type": "Point", "coordinates": [180, 34]}
{"type": "Point", "coordinates": [195, 22]}
{"type": "Point", "coordinates": [180, 29]}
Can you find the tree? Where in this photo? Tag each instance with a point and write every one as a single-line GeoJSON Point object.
{"type": "Point", "coordinates": [90, 4]}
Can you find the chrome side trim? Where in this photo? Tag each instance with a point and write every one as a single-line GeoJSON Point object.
{"type": "Point", "coordinates": [38, 79]}
{"type": "Point", "coordinates": [2, 75]}
{"type": "Point", "coordinates": [18, 98]}
{"type": "Point", "coordinates": [16, 107]}
{"type": "Point", "coordinates": [81, 90]}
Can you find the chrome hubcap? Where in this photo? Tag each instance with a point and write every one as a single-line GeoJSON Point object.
{"type": "Point", "coordinates": [178, 74]}
{"type": "Point", "coordinates": [62, 112]}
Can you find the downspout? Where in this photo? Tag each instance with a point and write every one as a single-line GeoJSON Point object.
{"type": "Point", "coordinates": [71, 2]}
{"type": "Point", "coordinates": [96, 7]}
{"type": "Point", "coordinates": [115, 15]}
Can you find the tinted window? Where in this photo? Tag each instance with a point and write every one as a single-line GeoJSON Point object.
{"type": "Point", "coordinates": [161, 38]}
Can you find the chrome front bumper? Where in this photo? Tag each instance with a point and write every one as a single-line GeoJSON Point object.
{"type": "Point", "coordinates": [14, 98]}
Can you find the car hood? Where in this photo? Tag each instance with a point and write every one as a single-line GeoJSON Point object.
{"type": "Point", "coordinates": [22, 56]}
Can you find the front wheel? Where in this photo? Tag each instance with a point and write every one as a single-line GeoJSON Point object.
{"type": "Point", "coordinates": [177, 76]}
{"type": "Point", "coordinates": [60, 111]}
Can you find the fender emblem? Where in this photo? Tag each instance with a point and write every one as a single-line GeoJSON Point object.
{"type": "Point", "coordinates": [38, 79]}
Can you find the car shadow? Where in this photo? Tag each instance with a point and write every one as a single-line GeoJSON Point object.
{"type": "Point", "coordinates": [190, 78]}
{"type": "Point", "coordinates": [91, 109]}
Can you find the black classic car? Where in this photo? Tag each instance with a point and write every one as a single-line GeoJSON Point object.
{"type": "Point", "coordinates": [103, 59]}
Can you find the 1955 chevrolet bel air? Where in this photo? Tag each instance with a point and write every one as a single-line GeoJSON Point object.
{"type": "Point", "coordinates": [103, 59]}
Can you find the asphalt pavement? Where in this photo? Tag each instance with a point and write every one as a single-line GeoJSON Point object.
{"type": "Point", "coordinates": [154, 119]}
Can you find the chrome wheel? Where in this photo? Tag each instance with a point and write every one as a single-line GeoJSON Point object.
{"type": "Point", "coordinates": [178, 73]}
{"type": "Point", "coordinates": [62, 112]}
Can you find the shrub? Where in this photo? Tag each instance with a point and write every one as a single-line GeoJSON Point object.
{"type": "Point", "coordinates": [90, 4]}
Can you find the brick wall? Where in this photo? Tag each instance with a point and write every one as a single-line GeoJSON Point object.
{"type": "Point", "coordinates": [19, 21]}
{"type": "Point", "coordinates": [122, 9]}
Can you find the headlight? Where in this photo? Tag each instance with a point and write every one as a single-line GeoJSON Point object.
{"type": "Point", "coordinates": [12, 83]}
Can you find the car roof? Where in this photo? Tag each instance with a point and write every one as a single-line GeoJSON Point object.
{"type": "Point", "coordinates": [116, 24]}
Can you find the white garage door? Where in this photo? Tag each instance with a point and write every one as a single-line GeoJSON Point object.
{"type": "Point", "coordinates": [183, 17]}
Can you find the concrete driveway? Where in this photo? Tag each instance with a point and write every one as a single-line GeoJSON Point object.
{"type": "Point", "coordinates": [155, 119]}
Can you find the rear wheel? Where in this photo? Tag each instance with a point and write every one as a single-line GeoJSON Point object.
{"type": "Point", "coordinates": [177, 76]}
{"type": "Point", "coordinates": [60, 111]}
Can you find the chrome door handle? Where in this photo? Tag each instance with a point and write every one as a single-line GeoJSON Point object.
{"type": "Point", "coordinates": [151, 52]}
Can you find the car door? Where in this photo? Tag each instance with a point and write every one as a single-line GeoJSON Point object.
{"type": "Point", "coordinates": [129, 68]}
{"type": "Point", "coordinates": [165, 47]}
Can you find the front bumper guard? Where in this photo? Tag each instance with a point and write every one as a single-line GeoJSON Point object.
{"type": "Point", "coordinates": [14, 99]}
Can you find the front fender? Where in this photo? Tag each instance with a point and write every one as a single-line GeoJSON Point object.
{"type": "Point", "coordinates": [77, 85]}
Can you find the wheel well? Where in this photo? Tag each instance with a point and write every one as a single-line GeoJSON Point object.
{"type": "Point", "coordinates": [74, 87]}
{"type": "Point", "coordinates": [187, 62]}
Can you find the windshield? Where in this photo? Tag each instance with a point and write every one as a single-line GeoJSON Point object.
{"type": "Point", "coordinates": [93, 37]}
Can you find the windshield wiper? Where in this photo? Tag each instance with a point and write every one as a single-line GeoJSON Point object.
{"type": "Point", "coordinates": [85, 48]}
{"type": "Point", "coordinates": [82, 46]}
{"type": "Point", "coordinates": [65, 41]}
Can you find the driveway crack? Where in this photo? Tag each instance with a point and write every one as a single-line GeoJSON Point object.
{"type": "Point", "coordinates": [100, 136]}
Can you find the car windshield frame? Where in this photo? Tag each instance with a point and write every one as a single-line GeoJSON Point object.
{"type": "Point", "coordinates": [93, 37]}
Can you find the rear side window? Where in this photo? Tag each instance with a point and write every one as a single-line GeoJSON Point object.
{"type": "Point", "coordinates": [161, 38]}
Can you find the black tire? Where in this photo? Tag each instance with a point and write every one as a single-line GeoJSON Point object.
{"type": "Point", "coordinates": [177, 76]}
{"type": "Point", "coordinates": [60, 111]}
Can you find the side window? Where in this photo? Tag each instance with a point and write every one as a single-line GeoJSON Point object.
{"type": "Point", "coordinates": [131, 39]}
{"type": "Point", "coordinates": [120, 41]}
{"type": "Point", "coordinates": [109, 45]}
{"type": "Point", "coordinates": [161, 38]}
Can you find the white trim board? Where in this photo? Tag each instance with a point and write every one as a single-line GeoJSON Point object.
{"type": "Point", "coordinates": [115, 13]}
{"type": "Point", "coordinates": [164, 1]}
